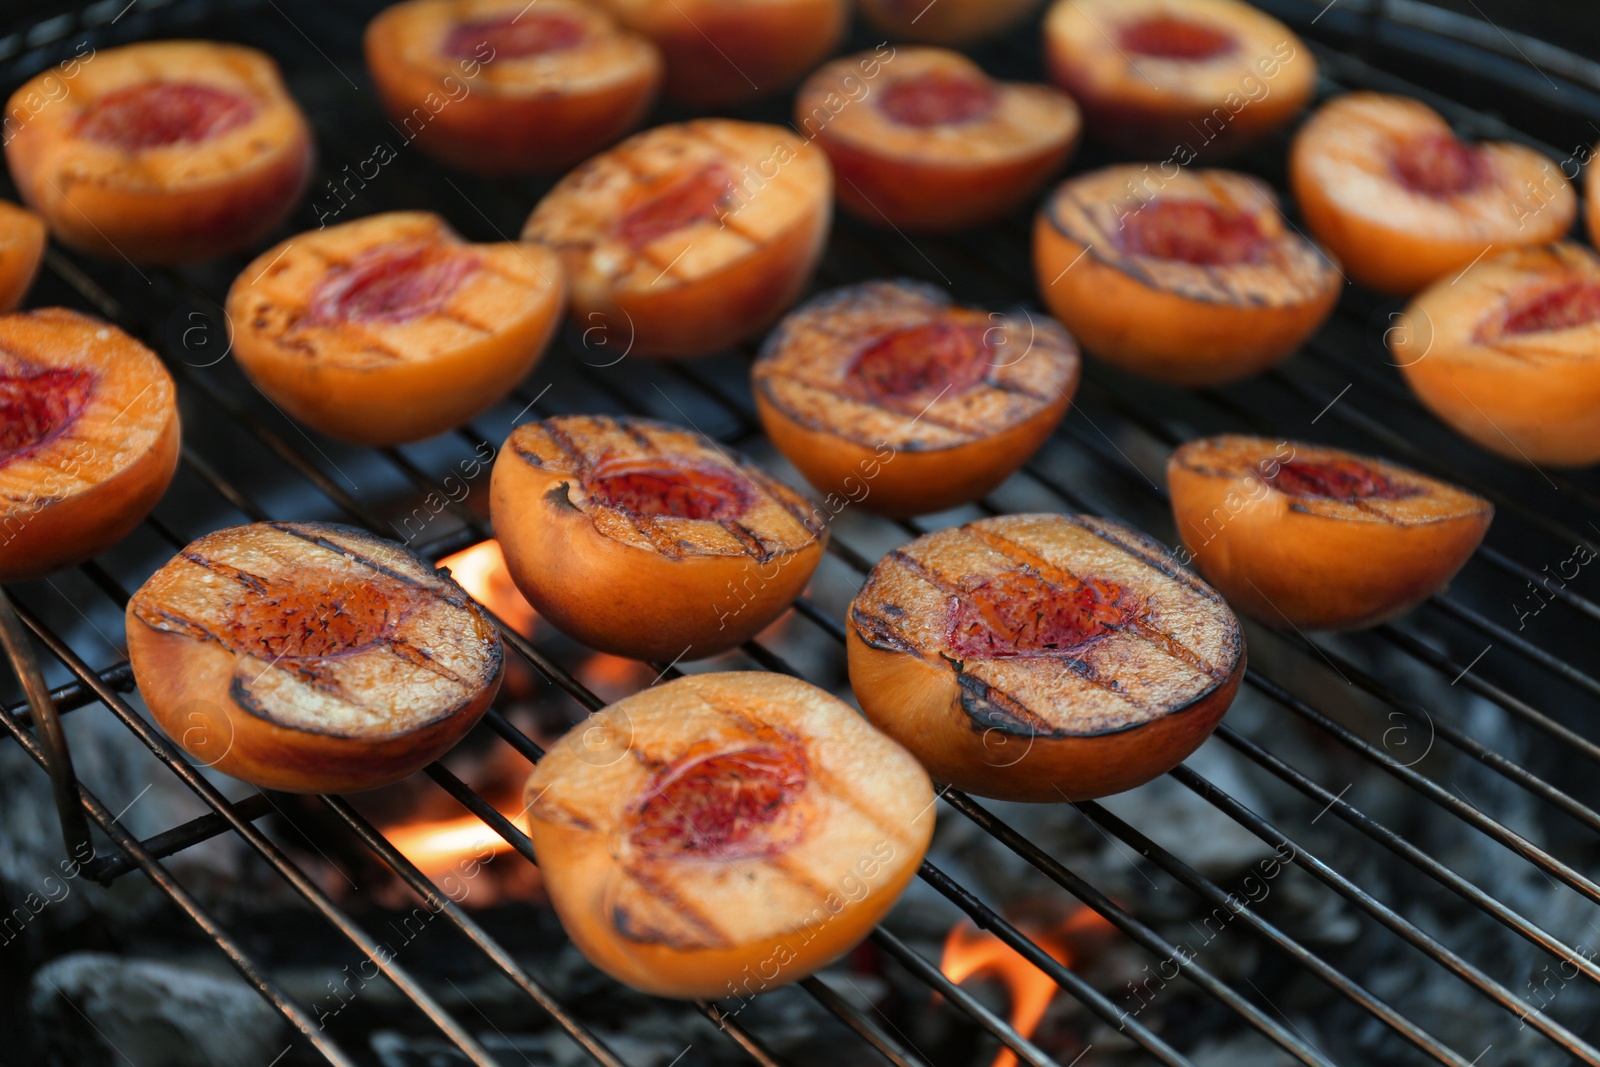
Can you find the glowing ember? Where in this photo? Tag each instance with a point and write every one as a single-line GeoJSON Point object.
{"type": "Point", "coordinates": [969, 951]}
{"type": "Point", "coordinates": [482, 572]}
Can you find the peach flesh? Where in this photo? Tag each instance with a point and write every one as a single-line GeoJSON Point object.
{"type": "Point", "coordinates": [392, 283]}
{"type": "Point", "coordinates": [1192, 231]}
{"type": "Point", "coordinates": [1562, 307]}
{"type": "Point", "coordinates": [37, 405]}
{"type": "Point", "coordinates": [721, 806]}
{"type": "Point", "coordinates": [154, 114]}
{"type": "Point", "coordinates": [533, 33]}
{"type": "Point", "coordinates": [1438, 165]}
{"type": "Point", "coordinates": [681, 491]}
{"type": "Point", "coordinates": [1019, 613]}
{"type": "Point", "coordinates": [294, 622]}
{"type": "Point", "coordinates": [930, 359]}
{"type": "Point", "coordinates": [1339, 479]}
{"type": "Point", "coordinates": [1170, 37]}
{"type": "Point", "coordinates": [938, 98]}
{"type": "Point", "coordinates": [697, 197]}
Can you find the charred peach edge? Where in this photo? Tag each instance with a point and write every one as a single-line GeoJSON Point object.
{"type": "Point", "coordinates": [1147, 115]}
{"type": "Point", "coordinates": [670, 970]}
{"type": "Point", "coordinates": [1284, 566]}
{"type": "Point", "coordinates": [688, 596]}
{"type": "Point", "coordinates": [909, 483]}
{"type": "Point", "coordinates": [949, 22]}
{"type": "Point", "coordinates": [1530, 407]}
{"type": "Point", "coordinates": [879, 184]}
{"type": "Point", "coordinates": [722, 53]}
{"type": "Point", "coordinates": [411, 399]}
{"type": "Point", "coordinates": [166, 225]}
{"type": "Point", "coordinates": [1399, 261]}
{"type": "Point", "coordinates": [911, 698]}
{"type": "Point", "coordinates": [1158, 333]}
{"type": "Point", "coordinates": [492, 131]}
{"type": "Point", "coordinates": [187, 686]}
{"type": "Point", "coordinates": [1591, 198]}
{"type": "Point", "coordinates": [22, 239]}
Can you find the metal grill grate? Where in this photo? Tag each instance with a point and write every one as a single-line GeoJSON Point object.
{"type": "Point", "coordinates": [1106, 459]}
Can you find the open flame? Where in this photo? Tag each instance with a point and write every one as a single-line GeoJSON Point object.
{"type": "Point", "coordinates": [970, 951]}
{"type": "Point", "coordinates": [437, 846]}
{"type": "Point", "coordinates": [481, 570]}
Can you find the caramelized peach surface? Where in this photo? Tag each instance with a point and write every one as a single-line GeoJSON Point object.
{"type": "Point", "coordinates": [391, 328]}
{"type": "Point", "coordinates": [88, 438]}
{"type": "Point", "coordinates": [162, 151]}
{"type": "Point", "coordinates": [1191, 276]}
{"type": "Point", "coordinates": [725, 834]}
{"type": "Point", "coordinates": [719, 52]}
{"type": "Point", "coordinates": [934, 143]}
{"type": "Point", "coordinates": [310, 657]}
{"type": "Point", "coordinates": [1508, 354]}
{"type": "Point", "coordinates": [888, 396]}
{"type": "Point", "coordinates": [1177, 81]}
{"type": "Point", "coordinates": [1316, 538]}
{"type": "Point", "coordinates": [954, 23]}
{"type": "Point", "coordinates": [647, 540]}
{"type": "Point", "coordinates": [1042, 657]}
{"type": "Point", "coordinates": [501, 86]}
{"type": "Point", "coordinates": [1385, 183]}
{"type": "Point", "coordinates": [22, 237]}
{"type": "Point", "coordinates": [686, 238]}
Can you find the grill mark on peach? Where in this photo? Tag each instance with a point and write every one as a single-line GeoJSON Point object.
{"type": "Point", "coordinates": [751, 542]}
{"type": "Point", "coordinates": [441, 591]}
{"type": "Point", "coordinates": [856, 398]}
{"type": "Point", "coordinates": [643, 873]}
{"type": "Point", "coordinates": [1134, 625]}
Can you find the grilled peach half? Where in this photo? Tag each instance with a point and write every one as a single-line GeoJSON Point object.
{"type": "Point", "coordinates": [1042, 657]}
{"type": "Point", "coordinates": [1508, 354]}
{"type": "Point", "coordinates": [685, 239]}
{"type": "Point", "coordinates": [953, 23]}
{"type": "Point", "coordinates": [1385, 183]}
{"type": "Point", "coordinates": [1317, 538]}
{"type": "Point", "coordinates": [88, 438]}
{"type": "Point", "coordinates": [934, 144]}
{"type": "Point", "coordinates": [645, 540]}
{"type": "Point", "coordinates": [1591, 197]}
{"type": "Point", "coordinates": [391, 328]}
{"type": "Point", "coordinates": [1195, 279]}
{"type": "Point", "coordinates": [1171, 81]}
{"type": "Point", "coordinates": [726, 833]}
{"type": "Point", "coordinates": [22, 236]}
{"type": "Point", "coordinates": [504, 87]}
{"type": "Point", "coordinates": [310, 657]}
{"type": "Point", "coordinates": [720, 52]}
{"type": "Point", "coordinates": [886, 396]}
{"type": "Point", "coordinates": [161, 152]}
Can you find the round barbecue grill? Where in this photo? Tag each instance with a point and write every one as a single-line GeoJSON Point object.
{"type": "Point", "coordinates": [1431, 782]}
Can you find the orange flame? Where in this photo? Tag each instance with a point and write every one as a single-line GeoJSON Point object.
{"type": "Point", "coordinates": [482, 572]}
{"type": "Point", "coordinates": [969, 951]}
{"type": "Point", "coordinates": [439, 846]}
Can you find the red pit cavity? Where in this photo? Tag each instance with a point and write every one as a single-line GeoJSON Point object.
{"type": "Point", "coordinates": [720, 806]}
{"type": "Point", "coordinates": [682, 491]}
{"type": "Point", "coordinates": [1169, 37]}
{"type": "Point", "coordinates": [701, 196]}
{"type": "Point", "coordinates": [1019, 613]}
{"type": "Point", "coordinates": [315, 616]}
{"type": "Point", "coordinates": [390, 283]}
{"type": "Point", "coordinates": [155, 114]}
{"type": "Point", "coordinates": [938, 98]}
{"type": "Point", "coordinates": [36, 405]}
{"type": "Point", "coordinates": [533, 33]}
{"type": "Point", "coordinates": [1560, 308]}
{"type": "Point", "coordinates": [934, 358]}
{"type": "Point", "coordinates": [1194, 231]}
{"type": "Point", "coordinates": [1438, 164]}
{"type": "Point", "coordinates": [1338, 479]}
